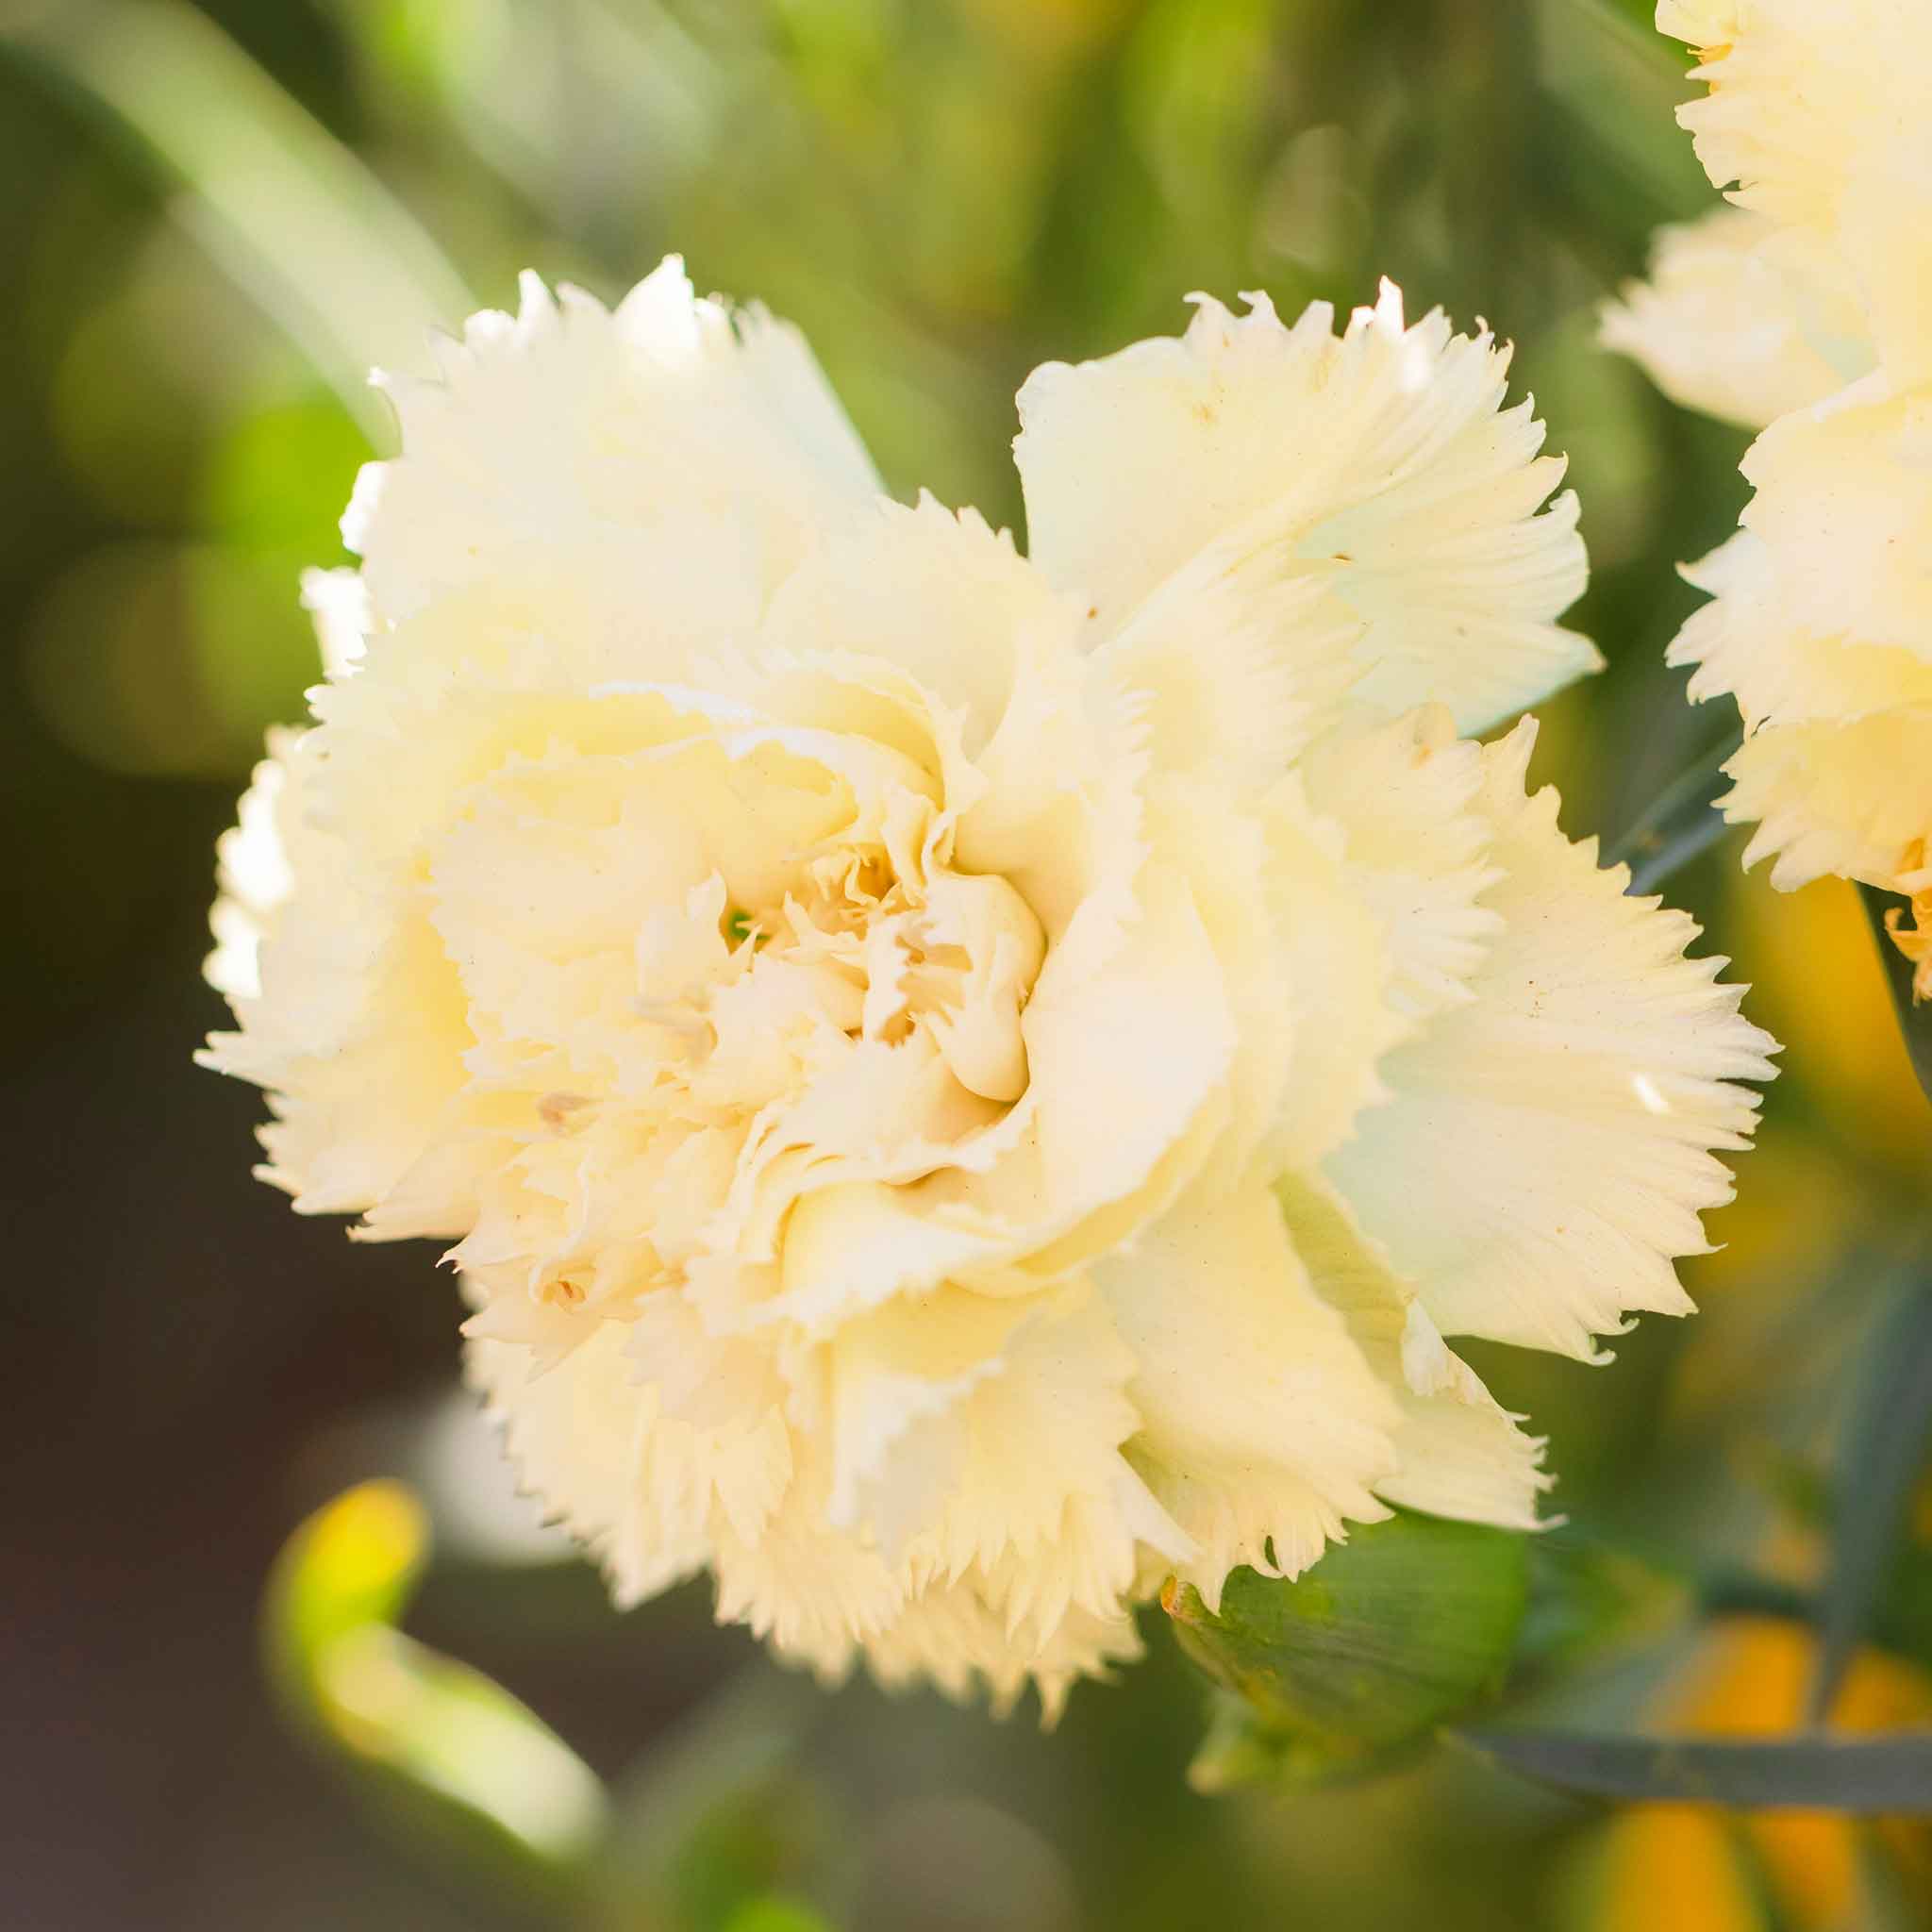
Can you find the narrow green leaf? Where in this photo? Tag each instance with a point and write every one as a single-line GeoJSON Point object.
{"type": "Point", "coordinates": [1878, 1468]}
{"type": "Point", "coordinates": [1680, 824]}
{"type": "Point", "coordinates": [451, 1759]}
{"type": "Point", "coordinates": [1864, 1776]}
{"type": "Point", "coordinates": [1914, 1016]}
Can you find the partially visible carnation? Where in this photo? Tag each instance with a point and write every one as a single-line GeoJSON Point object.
{"type": "Point", "coordinates": [1815, 118]}
{"type": "Point", "coordinates": [1807, 312]}
{"type": "Point", "coordinates": [961, 1085]}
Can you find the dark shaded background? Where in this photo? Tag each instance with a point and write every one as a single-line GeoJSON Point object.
{"type": "Point", "coordinates": [213, 221]}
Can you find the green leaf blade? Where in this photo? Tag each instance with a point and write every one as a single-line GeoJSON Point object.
{"type": "Point", "coordinates": [1861, 1777]}
{"type": "Point", "coordinates": [1883, 1458]}
{"type": "Point", "coordinates": [1681, 824]}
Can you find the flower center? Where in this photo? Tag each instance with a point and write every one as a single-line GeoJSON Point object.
{"type": "Point", "coordinates": [861, 947]}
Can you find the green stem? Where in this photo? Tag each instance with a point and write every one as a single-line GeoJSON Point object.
{"type": "Point", "coordinates": [1680, 824]}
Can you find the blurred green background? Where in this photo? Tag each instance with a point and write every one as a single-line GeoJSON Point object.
{"type": "Point", "coordinates": [215, 219]}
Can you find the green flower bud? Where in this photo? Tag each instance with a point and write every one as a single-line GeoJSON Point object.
{"type": "Point", "coordinates": [1359, 1659]}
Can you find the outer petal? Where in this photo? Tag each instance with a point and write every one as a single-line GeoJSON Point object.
{"type": "Point", "coordinates": [1415, 849]}
{"type": "Point", "coordinates": [1802, 95]}
{"type": "Point", "coordinates": [1547, 1150]}
{"type": "Point", "coordinates": [949, 1636]}
{"type": "Point", "coordinates": [649, 1495]}
{"type": "Point", "coordinates": [603, 457]}
{"type": "Point", "coordinates": [1377, 464]}
{"type": "Point", "coordinates": [337, 1001]}
{"type": "Point", "coordinates": [1741, 321]}
{"type": "Point", "coordinates": [1342, 906]}
{"type": "Point", "coordinates": [1843, 504]}
{"type": "Point", "coordinates": [1262, 1427]}
{"type": "Point", "coordinates": [1458, 1453]}
{"type": "Point", "coordinates": [1886, 237]}
{"type": "Point", "coordinates": [1821, 626]}
{"type": "Point", "coordinates": [1048, 1519]}
{"type": "Point", "coordinates": [1853, 799]}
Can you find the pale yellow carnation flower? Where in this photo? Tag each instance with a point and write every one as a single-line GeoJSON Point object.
{"type": "Point", "coordinates": [1807, 312]}
{"type": "Point", "coordinates": [963, 1084]}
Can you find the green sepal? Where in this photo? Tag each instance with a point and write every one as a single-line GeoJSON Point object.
{"type": "Point", "coordinates": [1356, 1663]}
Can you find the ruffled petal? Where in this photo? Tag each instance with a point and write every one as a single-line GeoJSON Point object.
{"type": "Point", "coordinates": [1125, 1062]}
{"type": "Point", "coordinates": [648, 1494]}
{"type": "Point", "coordinates": [1820, 626]}
{"type": "Point", "coordinates": [1415, 849]}
{"type": "Point", "coordinates": [1801, 96]}
{"type": "Point", "coordinates": [950, 1637]}
{"type": "Point", "coordinates": [671, 457]}
{"type": "Point", "coordinates": [1457, 1452]}
{"type": "Point", "coordinates": [1741, 320]}
{"type": "Point", "coordinates": [1263, 1429]}
{"type": "Point", "coordinates": [1379, 464]}
{"type": "Point", "coordinates": [1547, 1149]}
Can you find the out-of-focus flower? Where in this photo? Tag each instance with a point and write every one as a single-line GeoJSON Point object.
{"type": "Point", "coordinates": [1740, 319]}
{"type": "Point", "coordinates": [963, 1084]}
{"type": "Point", "coordinates": [1815, 118]}
{"type": "Point", "coordinates": [1811, 313]}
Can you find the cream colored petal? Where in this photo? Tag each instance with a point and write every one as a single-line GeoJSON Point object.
{"type": "Point", "coordinates": [1415, 848]}
{"type": "Point", "coordinates": [1124, 1063]}
{"type": "Point", "coordinates": [820, 1597]}
{"type": "Point", "coordinates": [1046, 1514]}
{"type": "Point", "coordinates": [938, 595]}
{"type": "Point", "coordinates": [1886, 238]}
{"type": "Point", "coordinates": [358, 1033]}
{"type": "Point", "coordinates": [1232, 674]}
{"type": "Point", "coordinates": [1741, 320]}
{"type": "Point", "coordinates": [1802, 95]}
{"type": "Point", "coordinates": [1548, 1146]}
{"type": "Point", "coordinates": [337, 600]}
{"type": "Point", "coordinates": [1258, 924]}
{"type": "Point", "coordinates": [899, 1374]}
{"type": "Point", "coordinates": [579, 451]}
{"type": "Point", "coordinates": [645, 1493]}
{"type": "Point", "coordinates": [1843, 504]}
{"type": "Point", "coordinates": [1379, 465]}
{"type": "Point", "coordinates": [1337, 928]}
{"type": "Point", "coordinates": [1750, 643]}
{"type": "Point", "coordinates": [950, 1637]}
{"type": "Point", "coordinates": [1853, 799]}
{"type": "Point", "coordinates": [1821, 626]}
{"type": "Point", "coordinates": [1043, 780]}
{"type": "Point", "coordinates": [1339, 975]}
{"type": "Point", "coordinates": [1458, 1453]}
{"type": "Point", "coordinates": [1263, 1429]}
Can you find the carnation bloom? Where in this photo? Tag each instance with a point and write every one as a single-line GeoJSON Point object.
{"type": "Point", "coordinates": [964, 1084]}
{"type": "Point", "coordinates": [1807, 312]}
